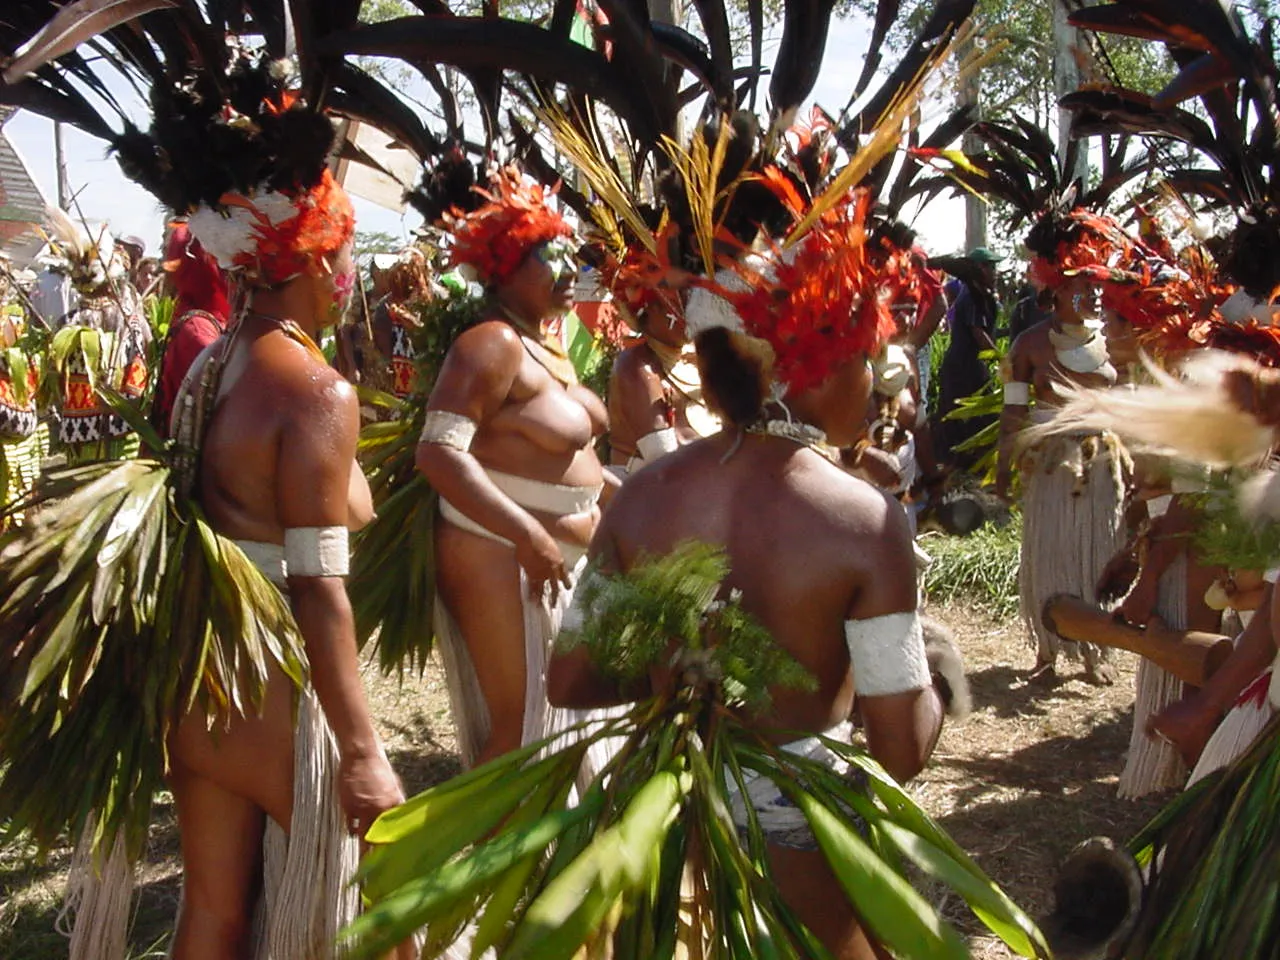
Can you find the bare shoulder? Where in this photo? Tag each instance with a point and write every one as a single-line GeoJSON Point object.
{"type": "Point", "coordinates": [487, 342]}
{"type": "Point", "coordinates": [855, 504]}
{"type": "Point", "coordinates": [634, 362]}
{"type": "Point", "coordinates": [302, 384]}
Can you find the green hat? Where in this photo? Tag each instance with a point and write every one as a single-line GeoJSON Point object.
{"type": "Point", "coordinates": [983, 255]}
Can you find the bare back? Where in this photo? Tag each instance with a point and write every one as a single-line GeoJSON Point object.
{"type": "Point", "coordinates": [270, 380]}
{"type": "Point", "coordinates": [809, 545]}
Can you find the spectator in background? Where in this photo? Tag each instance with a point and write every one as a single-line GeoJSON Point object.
{"type": "Point", "coordinates": [929, 311]}
{"type": "Point", "coordinates": [972, 321]}
{"type": "Point", "coordinates": [1033, 306]}
{"type": "Point", "coordinates": [200, 314]}
{"type": "Point", "coordinates": [147, 276]}
{"type": "Point", "coordinates": [135, 250]}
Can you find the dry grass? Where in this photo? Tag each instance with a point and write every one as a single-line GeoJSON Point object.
{"type": "Point", "coordinates": [1031, 773]}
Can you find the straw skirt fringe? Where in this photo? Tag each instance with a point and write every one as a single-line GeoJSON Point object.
{"type": "Point", "coordinates": [307, 895]}
{"type": "Point", "coordinates": [1072, 524]}
{"type": "Point", "coordinates": [98, 903]}
{"type": "Point", "coordinates": [1238, 729]}
{"type": "Point", "coordinates": [1154, 764]}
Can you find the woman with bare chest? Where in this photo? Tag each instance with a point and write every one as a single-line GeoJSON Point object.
{"type": "Point", "coordinates": [508, 445]}
{"type": "Point", "coordinates": [656, 402]}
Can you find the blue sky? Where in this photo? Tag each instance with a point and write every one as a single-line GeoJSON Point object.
{"type": "Point", "coordinates": [104, 193]}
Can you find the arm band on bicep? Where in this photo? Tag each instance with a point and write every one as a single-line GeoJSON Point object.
{"type": "Point", "coordinates": [887, 654]}
{"type": "Point", "coordinates": [654, 445]}
{"type": "Point", "coordinates": [1017, 394]}
{"type": "Point", "coordinates": [316, 552]}
{"type": "Point", "coordinates": [449, 430]}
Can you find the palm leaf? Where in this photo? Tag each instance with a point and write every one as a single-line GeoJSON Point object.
{"type": "Point", "coordinates": [650, 864]}
{"type": "Point", "coordinates": [115, 622]}
{"type": "Point", "coordinates": [71, 26]}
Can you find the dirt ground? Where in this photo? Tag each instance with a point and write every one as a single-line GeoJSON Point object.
{"type": "Point", "coordinates": [1028, 775]}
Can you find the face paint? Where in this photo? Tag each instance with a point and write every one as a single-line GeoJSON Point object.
{"type": "Point", "coordinates": [344, 285]}
{"type": "Point", "coordinates": [558, 256]}
{"type": "Point", "coordinates": [1087, 304]}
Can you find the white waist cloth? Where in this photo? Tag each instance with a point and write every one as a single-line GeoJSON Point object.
{"type": "Point", "coordinates": [553, 498]}
{"type": "Point", "coordinates": [267, 557]}
{"type": "Point", "coordinates": [779, 818]}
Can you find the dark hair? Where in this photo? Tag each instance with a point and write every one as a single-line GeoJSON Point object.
{"type": "Point", "coordinates": [734, 383]}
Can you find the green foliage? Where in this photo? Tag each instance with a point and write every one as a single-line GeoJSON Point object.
{"type": "Point", "coordinates": [392, 580]}
{"type": "Point", "coordinates": [120, 610]}
{"type": "Point", "coordinates": [592, 356]}
{"type": "Point", "coordinates": [1211, 855]}
{"type": "Point", "coordinates": [649, 858]}
{"type": "Point", "coordinates": [1224, 536]}
{"type": "Point", "coordinates": [369, 242]}
{"type": "Point", "coordinates": [635, 619]}
{"type": "Point", "coordinates": [980, 569]}
{"type": "Point", "coordinates": [159, 313]}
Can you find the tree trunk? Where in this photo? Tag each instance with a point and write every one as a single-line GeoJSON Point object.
{"type": "Point", "coordinates": [970, 93]}
{"type": "Point", "coordinates": [1068, 45]}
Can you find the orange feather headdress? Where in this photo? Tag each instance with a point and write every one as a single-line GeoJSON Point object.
{"type": "Point", "coordinates": [496, 238]}
{"type": "Point", "coordinates": [821, 302]}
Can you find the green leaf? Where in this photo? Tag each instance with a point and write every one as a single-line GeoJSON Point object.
{"type": "Point", "coordinates": [572, 907]}
{"type": "Point", "coordinates": [900, 918]}
{"type": "Point", "coordinates": [987, 901]}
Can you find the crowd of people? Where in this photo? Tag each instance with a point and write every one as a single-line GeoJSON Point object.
{"type": "Point", "coordinates": [770, 368]}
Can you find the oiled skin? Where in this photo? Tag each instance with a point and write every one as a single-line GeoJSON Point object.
{"type": "Point", "coordinates": [809, 547]}
{"type": "Point", "coordinates": [279, 453]}
{"type": "Point", "coordinates": [640, 400]}
{"type": "Point", "coordinates": [531, 425]}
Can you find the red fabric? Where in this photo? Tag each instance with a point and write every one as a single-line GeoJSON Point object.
{"type": "Point", "coordinates": [929, 283]}
{"type": "Point", "coordinates": [188, 336]}
{"type": "Point", "coordinates": [197, 279]}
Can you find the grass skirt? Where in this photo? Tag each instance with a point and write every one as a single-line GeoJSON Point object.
{"type": "Point", "coordinates": [1072, 524]}
{"type": "Point", "coordinates": [1154, 764]}
{"type": "Point", "coordinates": [307, 895]}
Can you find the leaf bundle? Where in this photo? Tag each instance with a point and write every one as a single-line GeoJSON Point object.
{"type": "Point", "coordinates": [121, 609]}
{"type": "Point", "coordinates": [650, 863]}
{"type": "Point", "coordinates": [1213, 889]}
{"type": "Point", "coordinates": [392, 581]}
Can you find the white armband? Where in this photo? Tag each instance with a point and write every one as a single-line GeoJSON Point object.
{"type": "Point", "coordinates": [887, 654]}
{"type": "Point", "coordinates": [316, 552]}
{"type": "Point", "coordinates": [654, 445]}
{"type": "Point", "coordinates": [1017, 394]}
{"type": "Point", "coordinates": [449, 430]}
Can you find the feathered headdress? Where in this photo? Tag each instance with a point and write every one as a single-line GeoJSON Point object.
{"type": "Point", "coordinates": [497, 237]}
{"type": "Point", "coordinates": [248, 169]}
{"type": "Point", "coordinates": [820, 302]}
{"type": "Point", "coordinates": [85, 254]}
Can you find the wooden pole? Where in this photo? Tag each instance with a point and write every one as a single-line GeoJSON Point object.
{"type": "Point", "coordinates": [1189, 655]}
{"type": "Point", "coordinates": [970, 94]}
{"type": "Point", "coordinates": [60, 165]}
